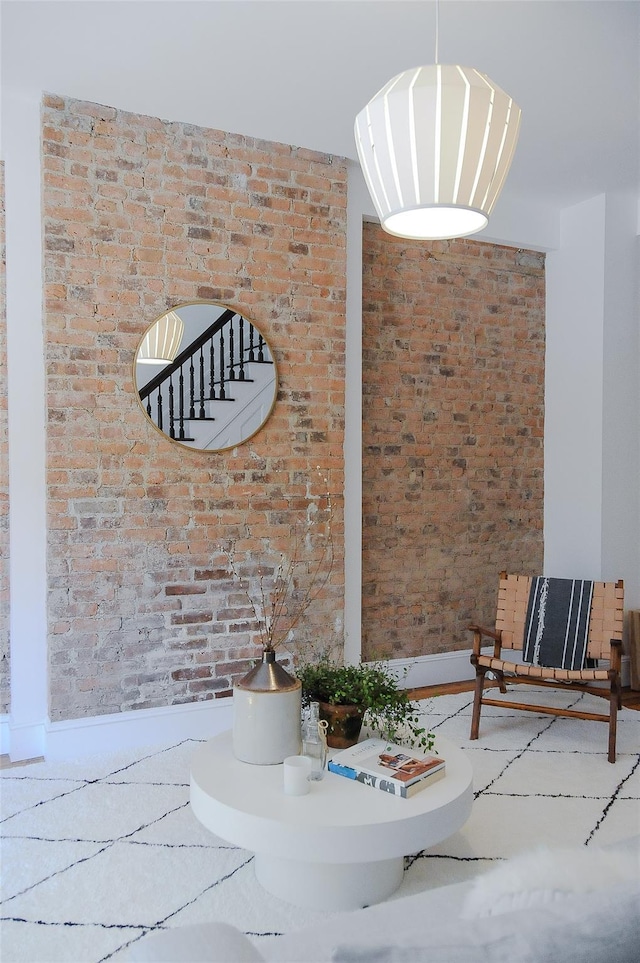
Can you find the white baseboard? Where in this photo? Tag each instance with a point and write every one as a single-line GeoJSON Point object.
{"type": "Point", "coordinates": [143, 727]}
{"type": "Point", "coordinates": [434, 669]}
{"type": "Point", "coordinates": [22, 741]}
{"type": "Point", "coordinates": [196, 720]}
{"type": "Point", "coordinates": [74, 738]}
{"type": "Point", "coordinates": [5, 738]}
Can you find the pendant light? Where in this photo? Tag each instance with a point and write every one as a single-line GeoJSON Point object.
{"type": "Point", "coordinates": [162, 341]}
{"type": "Point", "coordinates": [435, 145]}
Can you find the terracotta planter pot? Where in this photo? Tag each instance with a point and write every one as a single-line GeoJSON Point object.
{"type": "Point", "coordinates": [344, 724]}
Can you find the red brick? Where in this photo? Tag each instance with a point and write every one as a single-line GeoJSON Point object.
{"type": "Point", "coordinates": [126, 253]}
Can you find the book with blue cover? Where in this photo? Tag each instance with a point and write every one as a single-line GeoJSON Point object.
{"type": "Point", "coordinates": [387, 766]}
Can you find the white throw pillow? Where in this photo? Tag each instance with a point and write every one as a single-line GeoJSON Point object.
{"type": "Point", "coordinates": [196, 943]}
{"type": "Point", "coordinates": [597, 927]}
{"type": "Point", "coordinates": [544, 875]}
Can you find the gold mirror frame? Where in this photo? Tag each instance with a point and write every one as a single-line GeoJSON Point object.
{"type": "Point", "coordinates": [205, 376]}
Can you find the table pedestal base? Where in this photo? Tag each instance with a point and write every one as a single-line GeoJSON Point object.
{"type": "Point", "coordinates": [329, 886]}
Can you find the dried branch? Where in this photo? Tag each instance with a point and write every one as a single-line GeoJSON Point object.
{"type": "Point", "coordinates": [276, 608]}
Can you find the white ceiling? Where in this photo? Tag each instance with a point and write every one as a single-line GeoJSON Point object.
{"type": "Point", "coordinates": [298, 71]}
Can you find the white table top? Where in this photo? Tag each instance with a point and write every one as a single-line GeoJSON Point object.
{"type": "Point", "coordinates": [339, 820]}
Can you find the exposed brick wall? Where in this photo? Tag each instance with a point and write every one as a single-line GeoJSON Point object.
{"type": "Point", "coordinates": [453, 386]}
{"type": "Point", "coordinates": [4, 470]}
{"type": "Point", "coordinates": [141, 215]}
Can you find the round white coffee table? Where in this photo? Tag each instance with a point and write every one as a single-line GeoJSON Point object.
{"type": "Point", "coordinates": [341, 846]}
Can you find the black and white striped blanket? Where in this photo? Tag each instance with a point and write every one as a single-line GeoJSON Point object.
{"type": "Point", "coordinates": [557, 623]}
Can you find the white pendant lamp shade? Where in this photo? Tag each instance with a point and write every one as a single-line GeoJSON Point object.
{"type": "Point", "coordinates": [435, 145]}
{"type": "Point", "coordinates": [162, 341]}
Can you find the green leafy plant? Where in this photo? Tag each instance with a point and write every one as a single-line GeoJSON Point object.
{"type": "Point", "coordinates": [373, 688]}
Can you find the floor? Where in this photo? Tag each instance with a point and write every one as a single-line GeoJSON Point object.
{"type": "Point", "coordinates": [98, 852]}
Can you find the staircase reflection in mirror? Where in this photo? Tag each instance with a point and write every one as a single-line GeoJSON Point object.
{"type": "Point", "coordinates": [221, 385]}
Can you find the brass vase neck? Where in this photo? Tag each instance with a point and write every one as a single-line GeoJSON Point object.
{"type": "Point", "coordinates": [268, 676]}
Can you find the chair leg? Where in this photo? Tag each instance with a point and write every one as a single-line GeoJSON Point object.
{"type": "Point", "coordinates": [615, 697]}
{"type": "Point", "coordinates": [477, 701]}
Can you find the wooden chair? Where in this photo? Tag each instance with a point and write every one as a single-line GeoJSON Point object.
{"type": "Point", "coordinates": [604, 643]}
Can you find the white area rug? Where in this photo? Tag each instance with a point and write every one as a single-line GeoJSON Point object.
{"type": "Point", "coordinates": [96, 853]}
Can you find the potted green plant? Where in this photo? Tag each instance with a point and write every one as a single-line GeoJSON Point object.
{"type": "Point", "coordinates": [348, 693]}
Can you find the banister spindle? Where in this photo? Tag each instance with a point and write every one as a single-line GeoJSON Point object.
{"type": "Point", "coordinates": [212, 365]}
{"type": "Point", "coordinates": [172, 421]}
{"type": "Point", "coordinates": [181, 403]}
{"type": "Point", "coordinates": [241, 349]}
{"type": "Point", "coordinates": [222, 395]}
{"type": "Point", "coordinates": [202, 412]}
{"type": "Point", "coordinates": [192, 389]}
{"type": "Point", "coordinates": [232, 370]}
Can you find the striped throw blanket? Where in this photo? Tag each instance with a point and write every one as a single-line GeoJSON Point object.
{"type": "Point", "coordinates": [557, 623]}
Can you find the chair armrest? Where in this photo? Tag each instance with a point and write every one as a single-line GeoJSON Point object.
{"type": "Point", "coordinates": [492, 633]}
{"type": "Point", "coordinates": [616, 655]}
{"type": "Point", "coordinates": [479, 632]}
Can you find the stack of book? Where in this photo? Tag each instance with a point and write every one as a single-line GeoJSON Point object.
{"type": "Point", "coordinates": [387, 766]}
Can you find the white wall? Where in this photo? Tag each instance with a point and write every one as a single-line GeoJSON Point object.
{"type": "Point", "coordinates": [357, 202]}
{"type": "Point", "coordinates": [574, 395]}
{"type": "Point", "coordinates": [592, 402]}
{"type": "Point", "coordinates": [26, 426]}
{"type": "Point", "coordinates": [621, 399]}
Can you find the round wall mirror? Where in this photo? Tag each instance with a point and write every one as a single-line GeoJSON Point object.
{"type": "Point", "coordinates": [205, 376]}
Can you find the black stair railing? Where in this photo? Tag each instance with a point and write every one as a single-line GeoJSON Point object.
{"type": "Point", "coordinates": [232, 355]}
{"type": "Point", "coordinates": [221, 394]}
{"type": "Point", "coordinates": [207, 379]}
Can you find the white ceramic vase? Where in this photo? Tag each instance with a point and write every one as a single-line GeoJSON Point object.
{"type": "Point", "coordinates": [266, 714]}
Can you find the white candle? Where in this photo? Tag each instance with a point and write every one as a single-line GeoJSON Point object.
{"type": "Point", "coordinates": [296, 775]}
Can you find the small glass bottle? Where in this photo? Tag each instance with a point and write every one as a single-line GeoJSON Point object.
{"type": "Point", "coordinates": [314, 741]}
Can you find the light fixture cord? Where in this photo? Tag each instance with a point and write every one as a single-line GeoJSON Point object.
{"type": "Point", "coordinates": [437, 28]}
